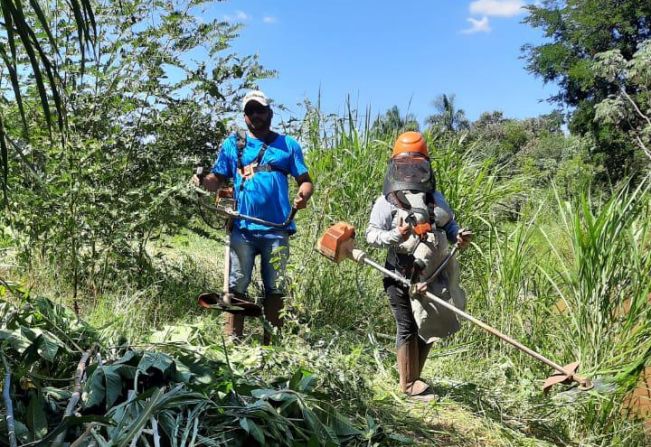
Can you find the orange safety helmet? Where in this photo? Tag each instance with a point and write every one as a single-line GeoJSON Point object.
{"type": "Point", "coordinates": [410, 142]}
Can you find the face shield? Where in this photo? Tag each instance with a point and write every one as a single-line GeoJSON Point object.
{"type": "Point", "coordinates": [408, 173]}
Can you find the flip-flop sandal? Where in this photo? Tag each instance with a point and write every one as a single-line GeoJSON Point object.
{"type": "Point", "coordinates": [214, 301]}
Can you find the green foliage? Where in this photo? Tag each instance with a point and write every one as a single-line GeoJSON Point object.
{"type": "Point", "coordinates": [139, 116]}
{"type": "Point", "coordinates": [179, 397]}
{"type": "Point", "coordinates": [338, 340]}
{"type": "Point", "coordinates": [603, 281]}
{"type": "Point", "coordinates": [576, 32]}
{"type": "Point", "coordinates": [392, 123]}
{"type": "Point", "coordinates": [447, 117]}
{"type": "Point", "coordinates": [630, 113]}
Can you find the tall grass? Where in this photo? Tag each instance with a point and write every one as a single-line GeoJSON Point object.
{"type": "Point", "coordinates": [348, 165]}
{"type": "Point", "coordinates": [604, 278]}
{"type": "Point", "coordinates": [591, 255]}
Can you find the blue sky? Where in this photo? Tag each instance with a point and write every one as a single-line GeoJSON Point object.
{"type": "Point", "coordinates": [385, 53]}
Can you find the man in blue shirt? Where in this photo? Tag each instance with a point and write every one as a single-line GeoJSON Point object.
{"type": "Point", "coordinates": [259, 164]}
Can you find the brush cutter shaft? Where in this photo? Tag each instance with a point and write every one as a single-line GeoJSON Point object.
{"type": "Point", "coordinates": [235, 215]}
{"type": "Point", "coordinates": [444, 263]}
{"type": "Point", "coordinates": [360, 257]}
{"type": "Point", "coordinates": [227, 270]}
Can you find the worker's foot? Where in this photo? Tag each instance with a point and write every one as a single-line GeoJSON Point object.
{"type": "Point", "coordinates": [421, 392]}
{"type": "Point", "coordinates": [428, 396]}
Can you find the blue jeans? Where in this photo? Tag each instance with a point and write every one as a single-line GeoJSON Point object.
{"type": "Point", "coordinates": [273, 249]}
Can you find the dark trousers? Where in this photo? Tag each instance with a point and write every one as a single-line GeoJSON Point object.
{"type": "Point", "coordinates": [406, 328]}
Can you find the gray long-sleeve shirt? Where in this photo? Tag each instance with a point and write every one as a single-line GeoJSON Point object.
{"type": "Point", "coordinates": [381, 232]}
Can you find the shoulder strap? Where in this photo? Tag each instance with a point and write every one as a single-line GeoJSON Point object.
{"type": "Point", "coordinates": [429, 198]}
{"type": "Point", "coordinates": [240, 137]}
{"type": "Point", "coordinates": [398, 199]}
{"type": "Point", "coordinates": [267, 141]}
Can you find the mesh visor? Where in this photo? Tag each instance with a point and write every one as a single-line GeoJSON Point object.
{"type": "Point", "coordinates": [408, 173]}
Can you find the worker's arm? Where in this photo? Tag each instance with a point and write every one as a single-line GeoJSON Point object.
{"type": "Point", "coordinates": [379, 231]}
{"type": "Point", "coordinates": [454, 233]}
{"type": "Point", "coordinates": [305, 191]}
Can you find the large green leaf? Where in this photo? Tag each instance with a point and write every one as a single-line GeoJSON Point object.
{"type": "Point", "coordinates": [48, 346]}
{"type": "Point", "coordinates": [342, 425]}
{"type": "Point", "coordinates": [302, 380]}
{"type": "Point", "coordinates": [105, 384]}
{"type": "Point", "coordinates": [16, 340]}
{"type": "Point", "coordinates": [275, 395]}
{"type": "Point", "coordinates": [253, 429]}
{"type": "Point", "coordinates": [113, 383]}
{"type": "Point", "coordinates": [36, 419]}
{"type": "Point", "coordinates": [155, 360]}
{"type": "Point", "coordinates": [15, 85]}
{"type": "Point", "coordinates": [43, 21]}
{"type": "Point", "coordinates": [307, 383]}
{"type": "Point", "coordinates": [95, 389]}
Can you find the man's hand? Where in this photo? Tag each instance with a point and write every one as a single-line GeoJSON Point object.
{"type": "Point", "coordinates": [405, 231]}
{"type": "Point", "coordinates": [305, 190]}
{"type": "Point", "coordinates": [300, 201]}
{"type": "Point", "coordinates": [464, 237]}
{"type": "Point", "coordinates": [198, 176]}
{"type": "Point", "coordinates": [418, 289]}
{"type": "Point", "coordinates": [211, 182]}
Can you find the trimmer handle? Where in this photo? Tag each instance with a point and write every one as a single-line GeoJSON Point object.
{"type": "Point", "coordinates": [201, 171]}
{"type": "Point", "coordinates": [291, 216]}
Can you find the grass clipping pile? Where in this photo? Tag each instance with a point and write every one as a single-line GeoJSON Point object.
{"type": "Point", "coordinates": [64, 386]}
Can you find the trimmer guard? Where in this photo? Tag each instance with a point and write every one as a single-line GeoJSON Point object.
{"type": "Point", "coordinates": [215, 301]}
{"type": "Point", "coordinates": [571, 376]}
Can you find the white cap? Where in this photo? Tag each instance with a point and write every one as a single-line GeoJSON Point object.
{"type": "Point", "coordinates": [257, 96]}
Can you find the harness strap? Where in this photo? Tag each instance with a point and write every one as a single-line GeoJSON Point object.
{"type": "Point", "coordinates": [240, 136]}
{"type": "Point", "coordinates": [265, 168]}
{"type": "Point", "coordinates": [241, 144]}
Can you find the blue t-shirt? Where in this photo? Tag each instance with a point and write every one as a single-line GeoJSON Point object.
{"type": "Point", "coordinates": [266, 194]}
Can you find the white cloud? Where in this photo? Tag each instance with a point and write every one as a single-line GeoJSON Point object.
{"type": "Point", "coordinates": [240, 16]}
{"type": "Point", "coordinates": [501, 8]}
{"type": "Point", "coordinates": [477, 26]}
{"type": "Point", "coordinates": [269, 19]}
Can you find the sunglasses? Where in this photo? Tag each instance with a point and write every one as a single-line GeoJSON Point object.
{"type": "Point", "coordinates": [255, 108]}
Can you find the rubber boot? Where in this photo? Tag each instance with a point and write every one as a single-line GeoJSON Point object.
{"type": "Point", "coordinates": [423, 351]}
{"type": "Point", "coordinates": [234, 325]}
{"type": "Point", "coordinates": [408, 365]}
{"type": "Point", "coordinates": [272, 305]}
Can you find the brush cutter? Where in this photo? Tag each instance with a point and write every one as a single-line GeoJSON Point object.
{"type": "Point", "coordinates": [227, 302]}
{"type": "Point", "coordinates": [338, 243]}
{"type": "Point", "coordinates": [226, 209]}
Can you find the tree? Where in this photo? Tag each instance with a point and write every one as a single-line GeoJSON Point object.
{"type": "Point", "coordinates": [392, 122]}
{"type": "Point", "coordinates": [448, 118]}
{"type": "Point", "coordinates": [28, 45]}
{"type": "Point", "coordinates": [154, 100]}
{"type": "Point", "coordinates": [631, 112]}
{"type": "Point", "coordinates": [505, 139]}
{"type": "Point", "coordinates": [576, 31]}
